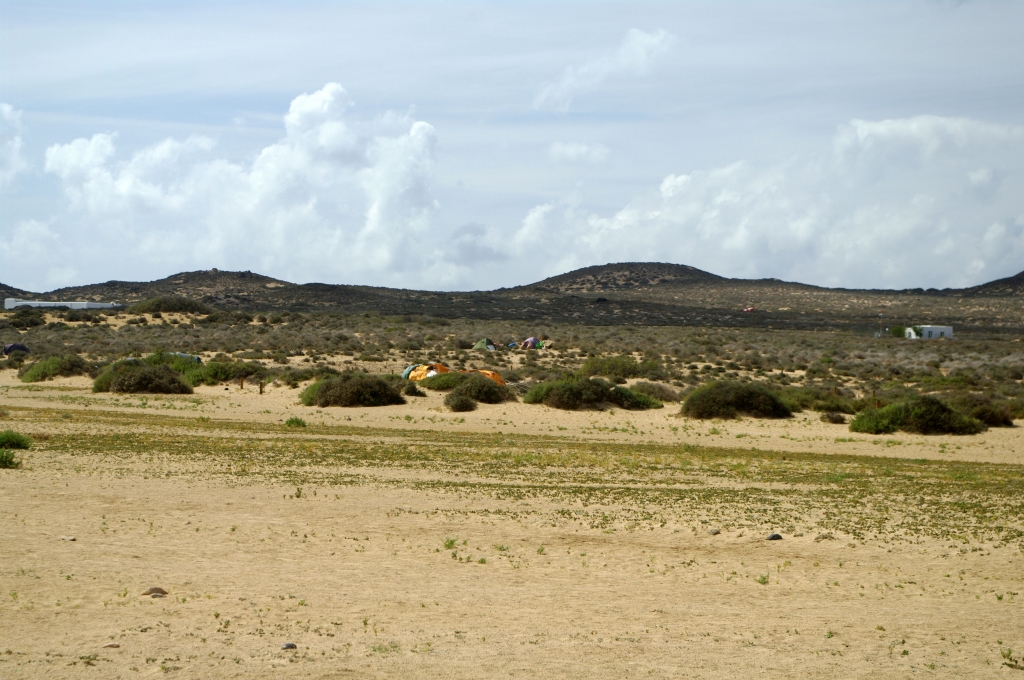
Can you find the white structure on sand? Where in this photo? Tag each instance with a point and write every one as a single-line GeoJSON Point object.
{"type": "Point", "coordinates": [11, 303]}
{"type": "Point", "coordinates": [929, 332]}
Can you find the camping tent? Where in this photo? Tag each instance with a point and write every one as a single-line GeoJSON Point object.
{"type": "Point", "coordinates": [408, 370]}
{"type": "Point", "coordinates": [427, 370]}
{"type": "Point", "coordinates": [532, 343]}
{"type": "Point", "coordinates": [484, 344]}
{"type": "Point", "coordinates": [15, 347]}
{"type": "Point", "coordinates": [496, 377]}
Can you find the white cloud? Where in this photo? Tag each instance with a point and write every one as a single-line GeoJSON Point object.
{"type": "Point", "coordinates": [323, 202]}
{"type": "Point", "coordinates": [895, 205]}
{"type": "Point", "coordinates": [634, 56]}
{"type": "Point", "coordinates": [12, 162]}
{"type": "Point", "coordinates": [577, 152]}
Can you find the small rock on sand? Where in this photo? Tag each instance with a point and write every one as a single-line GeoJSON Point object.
{"type": "Point", "coordinates": [155, 591]}
{"type": "Point", "coordinates": [67, 538]}
{"type": "Point", "coordinates": [714, 532]}
{"type": "Point", "coordinates": [289, 645]}
{"type": "Point", "coordinates": [774, 537]}
{"type": "Point", "coordinates": [111, 645]}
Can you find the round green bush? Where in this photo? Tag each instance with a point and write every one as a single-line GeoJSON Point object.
{"type": "Point", "coordinates": [459, 402]}
{"type": "Point", "coordinates": [731, 399]}
{"type": "Point", "coordinates": [921, 415]}
{"type": "Point", "coordinates": [295, 421]}
{"type": "Point", "coordinates": [564, 395]}
{"type": "Point", "coordinates": [351, 389]}
{"type": "Point", "coordinates": [146, 378]}
{"type": "Point", "coordinates": [479, 388]}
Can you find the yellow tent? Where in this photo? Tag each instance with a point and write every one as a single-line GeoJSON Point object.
{"type": "Point", "coordinates": [427, 370]}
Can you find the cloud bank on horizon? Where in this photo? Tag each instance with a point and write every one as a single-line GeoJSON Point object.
{"type": "Point", "coordinates": [339, 195]}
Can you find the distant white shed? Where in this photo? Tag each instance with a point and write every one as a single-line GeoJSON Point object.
{"type": "Point", "coordinates": [929, 332]}
{"type": "Point", "coordinates": [11, 303]}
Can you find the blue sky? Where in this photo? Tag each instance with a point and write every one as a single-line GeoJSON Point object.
{"type": "Point", "coordinates": [478, 145]}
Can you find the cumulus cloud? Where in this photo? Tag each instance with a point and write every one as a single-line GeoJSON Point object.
{"type": "Point", "coordinates": [577, 152]}
{"type": "Point", "coordinates": [12, 162]}
{"type": "Point", "coordinates": [326, 201]}
{"type": "Point", "coordinates": [894, 204]}
{"type": "Point", "coordinates": [634, 56]}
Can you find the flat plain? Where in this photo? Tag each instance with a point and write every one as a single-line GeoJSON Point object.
{"type": "Point", "coordinates": [512, 541]}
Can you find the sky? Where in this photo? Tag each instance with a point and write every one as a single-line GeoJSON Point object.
{"type": "Point", "coordinates": [477, 145]}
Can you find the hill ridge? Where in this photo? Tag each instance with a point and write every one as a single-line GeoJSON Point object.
{"type": "Point", "coordinates": [630, 293]}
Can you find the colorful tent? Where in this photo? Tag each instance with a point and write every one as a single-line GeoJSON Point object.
{"type": "Point", "coordinates": [427, 370]}
{"type": "Point", "coordinates": [484, 344]}
{"type": "Point", "coordinates": [410, 369]}
{"type": "Point", "coordinates": [532, 343]}
{"type": "Point", "coordinates": [496, 377]}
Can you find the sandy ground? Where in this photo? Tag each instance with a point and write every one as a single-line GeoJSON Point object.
{"type": "Point", "coordinates": [804, 432]}
{"type": "Point", "coordinates": [373, 579]}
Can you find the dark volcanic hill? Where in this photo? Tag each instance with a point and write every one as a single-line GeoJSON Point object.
{"type": "Point", "coordinates": [639, 293]}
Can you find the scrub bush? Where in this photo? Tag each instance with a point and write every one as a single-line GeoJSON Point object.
{"type": "Point", "coordinates": [51, 367]}
{"type": "Point", "coordinates": [922, 415]}
{"type": "Point", "coordinates": [9, 439]}
{"type": "Point", "coordinates": [146, 378]}
{"type": "Point", "coordinates": [731, 399]}
{"type": "Point", "coordinates": [572, 394]}
{"type": "Point", "coordinates": [351, 389]}
{"type": "Point", "coordinates": [479, 388]}
{"type": "Point", "coordinates": [459, 402]}
{"type": "Point", "coordinates": [412, 390]}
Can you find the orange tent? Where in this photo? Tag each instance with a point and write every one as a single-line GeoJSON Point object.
{"type": "Point", "coordinates": [427, 370]}
{"type": "Point", "coordinates": [488, 374]}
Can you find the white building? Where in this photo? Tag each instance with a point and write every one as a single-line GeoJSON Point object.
{"type": "Point", "coordinates": [11, 303]}
{"type": "Point", "coordinates": [929, 332]}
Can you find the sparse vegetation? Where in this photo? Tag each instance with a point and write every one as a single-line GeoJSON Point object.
{"type": "Point", "coordinates": [170, 303]}
{"type": "Point", "coordinates": [295, 421]}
